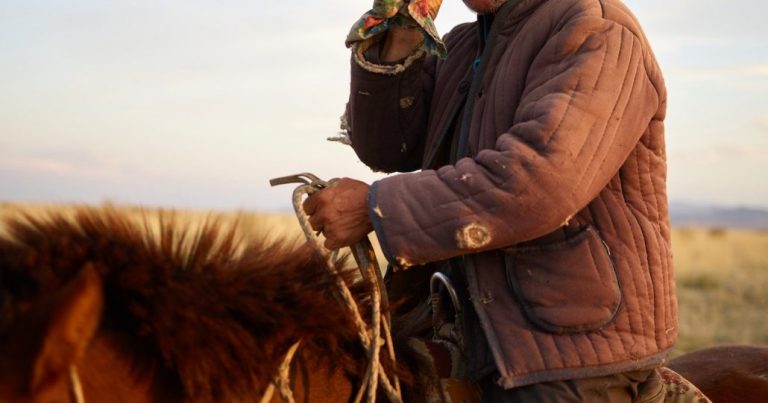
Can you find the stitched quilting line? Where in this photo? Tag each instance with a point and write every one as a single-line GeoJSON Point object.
{"type": "Point", "coordinates": [637, 234]}
{"type": "Point", "coordinates": [663, 260]}
{"type": "Point", "coordinates": [645, 183]}
{"type": "Point", "coordinates": [576, 86]}
{"type": "Point", "coordinates": [648, 257]}
{"type": "Point", "coordinates": [586, 138]}
{"type": "Point", "coordinates": [616, 106]}
{"type": "Point", "coordinates": [668, 274]}
{"type": "Point", "coordinates": [625, 340]}
{"type": "Point", "coordinates": [613, 111]}
{"type": "Point", "coordinates": [615, 348]}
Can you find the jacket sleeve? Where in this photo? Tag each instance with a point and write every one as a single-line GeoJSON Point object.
{"type": "Point", "coordinates": [587, 101]}
{"type": "Point", "coordinates": [388, 110]}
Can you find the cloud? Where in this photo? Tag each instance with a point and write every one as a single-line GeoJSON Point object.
{"type": "Point", "coordinates": [200, 102]}
{"type": "Point", "coordinates": [719, 153]}
{"type": "Point", "coordinates": [762, 123]}
{"type": "Point", "coordinates": [671, 43]}
{"type": "Point", "coordinates": [84, 164]}
{"type": "Point", "coordinates": [712, 18]}
{"type": "Point", "coordinates": [37, 165]}
{"type": "Point", "coordinates": [740, 71]}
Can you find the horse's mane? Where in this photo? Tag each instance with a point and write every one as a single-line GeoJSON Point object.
{"type": "Point", "coordinates": [217, 312]}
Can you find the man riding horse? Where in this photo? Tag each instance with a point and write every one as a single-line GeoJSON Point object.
{"type": "Point", "coordinates": [536, 137]}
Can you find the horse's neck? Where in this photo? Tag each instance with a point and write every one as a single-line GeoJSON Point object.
{"type": "Point", "coordinates": [315, 382]}
{"type": "Point", "coordinates": [108, 374]}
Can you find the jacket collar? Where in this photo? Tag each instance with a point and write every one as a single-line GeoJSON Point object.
{"type": "Point", "coordinates": [519, 8]}
{"type": "Point", "coordinates": [524, 7]}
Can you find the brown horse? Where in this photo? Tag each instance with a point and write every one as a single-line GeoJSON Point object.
{"type": "Point", "coordinates": [127, 312]}
{"type": "Point", "coordinates": [101, 308]}
{"type": "Point", "coordinates": [727, 374]}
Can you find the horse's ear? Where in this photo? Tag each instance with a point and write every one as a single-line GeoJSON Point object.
{"type": "Point", "coordinates": [68, 323]}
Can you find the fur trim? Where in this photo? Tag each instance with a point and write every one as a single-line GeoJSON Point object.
{"type": "Point", "coordinates": [358, 54]}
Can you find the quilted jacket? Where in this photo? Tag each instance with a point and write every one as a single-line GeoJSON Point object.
{"type": "Point", "coordinates": [557, 203]}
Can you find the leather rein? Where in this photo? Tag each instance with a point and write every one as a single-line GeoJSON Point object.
{"type": "Point", "coordinates": [75, 387]}
{"type": "Point", "coordinates": [372, 336]}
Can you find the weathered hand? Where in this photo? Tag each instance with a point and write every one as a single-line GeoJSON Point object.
{"type": "Point", "coordinates": [340, 212]}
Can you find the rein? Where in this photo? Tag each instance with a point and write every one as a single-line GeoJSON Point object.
{"type": "Point", "coordinates": [75, 387]}
{"type": "Point", "coordinates": [371, 338]}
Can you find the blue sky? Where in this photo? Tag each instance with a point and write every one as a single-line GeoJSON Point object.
{"type": "Point", "coordinates": [194, 104]}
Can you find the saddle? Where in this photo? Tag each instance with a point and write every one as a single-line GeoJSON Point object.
{"type": "Point", "coordinates": [434, 361]}
{"type": "Point", "coordinates": [437, 358]}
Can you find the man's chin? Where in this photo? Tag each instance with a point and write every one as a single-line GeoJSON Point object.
{"type": "Point", "coordinates": [484, 6]}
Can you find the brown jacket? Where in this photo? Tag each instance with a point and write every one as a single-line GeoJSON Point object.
{"type": "Point", "coordinates": [560, 208]}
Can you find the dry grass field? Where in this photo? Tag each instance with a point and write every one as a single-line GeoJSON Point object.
{"type": "Point", "coordinates": [722, 286]}
{"type": "Point", "coordinates": [722, 274]}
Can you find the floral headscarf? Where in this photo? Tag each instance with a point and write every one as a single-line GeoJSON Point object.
{"type": "Point", "coordinates": [388, 13]}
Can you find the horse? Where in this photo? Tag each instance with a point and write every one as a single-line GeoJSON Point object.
{"type": "Point", "coordinates": [106, 308]}
{"type": "Point", "coordinates": [727, 374]}
{"type": "Point", "coordinates": [103, 308]}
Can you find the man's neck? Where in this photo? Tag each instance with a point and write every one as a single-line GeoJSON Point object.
{"type": "Point", "coordinates": [484, 6]}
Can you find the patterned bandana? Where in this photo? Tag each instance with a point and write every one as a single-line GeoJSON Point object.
{"type": "Point", "coordinates": [400, 13]}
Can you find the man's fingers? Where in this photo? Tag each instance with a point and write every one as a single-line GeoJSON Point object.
{"type": "Point", "coordinates": [330, 238]}
{"type": "Point", "coordinates": [332, 244]}
{"type": "Point", "coordinates": [310, 205]}
{"type": "Point", "coordinates": [329, 244]}
{"type": "Point", "coordinates": [316, 222]}
{"type": "Point", "coordinates": [340, 212]}
{"type": "Point", "coordinates": [318, 199]}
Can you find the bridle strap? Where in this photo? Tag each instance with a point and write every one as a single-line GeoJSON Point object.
{"type": "Point", "coordinates": [282, 379]}
{"type": "Point", "coordinates": [75, 387]}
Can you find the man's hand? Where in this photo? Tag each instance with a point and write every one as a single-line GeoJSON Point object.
{"type": "Point", "coordinates": [340, 212]}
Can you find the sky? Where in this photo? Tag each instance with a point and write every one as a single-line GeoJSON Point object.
{"type": "Point", "coordinates": [197, 104]}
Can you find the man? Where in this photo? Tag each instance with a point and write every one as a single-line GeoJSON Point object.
{"type": "Point", "coordinates": [542, 192]}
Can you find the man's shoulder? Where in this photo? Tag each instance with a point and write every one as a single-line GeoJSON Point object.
{"type": "Point", "coordinates": [459, 32]}
{"type": "Point", "coordinates": [577, 17]}
{"type": "Point", "coordinates": [611, 10]}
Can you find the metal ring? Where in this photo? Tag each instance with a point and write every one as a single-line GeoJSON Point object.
{"type": "Point", "coordinates": [439, 278]}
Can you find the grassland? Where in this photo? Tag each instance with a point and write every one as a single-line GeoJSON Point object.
{"type": "Point", "coordinates": [722, 274]}
{"type": "Point", "coordinates": [722, 286]}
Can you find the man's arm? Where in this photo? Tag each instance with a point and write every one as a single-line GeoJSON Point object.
{"type": "Point", "coordinates": [587, 102]}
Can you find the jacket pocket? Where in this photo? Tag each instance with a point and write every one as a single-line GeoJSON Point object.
{"type": "Point", "coordinates": [565, 287]}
